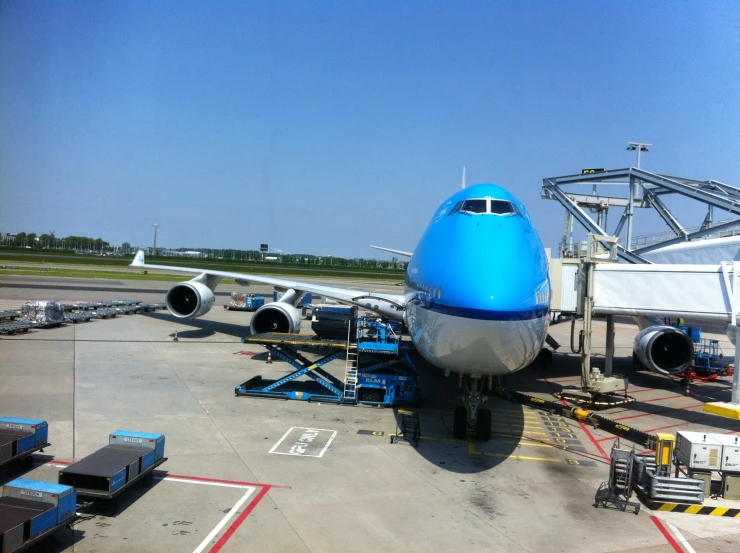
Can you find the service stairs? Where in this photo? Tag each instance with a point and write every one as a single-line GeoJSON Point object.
{"type": "Point", "coordinates": [350, 373]}
{"type": "Point", "coordinates": [616, 492]}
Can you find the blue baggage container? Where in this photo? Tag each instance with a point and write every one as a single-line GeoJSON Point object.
{"type": "Point", "coordinates": [43, 521]}
{"type": "Point", "coordinates": [38, 427]}
{"type": "Point", "coordinates": [62, 497]}
{"type": "Point", "coordinates": [149, 440]}
{"type": "Point", "coordinates": [118, 480]}
{"type": "Point", "coordinates": [25, 443]}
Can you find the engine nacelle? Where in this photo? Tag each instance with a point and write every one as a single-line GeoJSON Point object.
{"type": "Point", "coordinates": [191, 299]}
{"type": "Point", "coordinates": [664, 349]}
{"type": "Point", "coordinates": [276, 317]}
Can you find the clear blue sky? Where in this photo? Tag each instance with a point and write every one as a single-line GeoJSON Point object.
{"type": "Point", "coordinates": [322, 127]}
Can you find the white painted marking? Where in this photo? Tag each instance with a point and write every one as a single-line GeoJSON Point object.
{"type": "Point", "coordinates": [206, 542]}
{"type": "Point", "coordinates": [300, 447]}
{"type": "Point", "coordinates": [188, 481]}
{"type": "Point", "coordinates": [680, 537]}
{"type": "Point", "coordinates": [327, 444]}
{"type": "Point", "coordinates": [281, 439]}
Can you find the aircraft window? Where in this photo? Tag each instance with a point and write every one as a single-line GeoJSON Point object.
{"type": "Point", "coordinates": [455, 209]}
{"type": "Point", "coordinates": [502, 207]}
{"type": "Point", "coordinates": [475, 206]}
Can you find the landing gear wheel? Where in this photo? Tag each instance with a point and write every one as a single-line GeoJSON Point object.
{"type": "Point", "coordinates": [460, 426]}
{"type": "Point", "coordinates": [483, 431]}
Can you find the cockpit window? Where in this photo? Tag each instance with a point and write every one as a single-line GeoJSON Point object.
{"type": "Point", "coordinates": [455, 209]}
{"type": "Point", "coordinates": [475, 206]}
{"type": "Point", "coordinates": [502, 207]}
{"type": "Point", "coordinates": [483, 206]}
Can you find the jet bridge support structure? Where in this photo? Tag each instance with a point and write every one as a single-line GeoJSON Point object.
{"type": "Point", "coordinates": [645, 190]}
{"type": "Point", "coordinates": [597, 388]}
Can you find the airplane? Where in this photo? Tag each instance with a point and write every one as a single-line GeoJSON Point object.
{"type": "Point", "coordinates": [476, 300]}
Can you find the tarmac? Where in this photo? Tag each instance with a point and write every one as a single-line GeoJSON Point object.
{"type": "Point", "coordinates": [231, 483]}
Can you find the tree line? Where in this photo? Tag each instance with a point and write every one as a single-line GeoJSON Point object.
{"type": "Point", "coordinates": [86, 244]}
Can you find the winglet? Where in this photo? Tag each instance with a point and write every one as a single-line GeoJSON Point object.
{"type": "Point", "coordinates": [138, 260]}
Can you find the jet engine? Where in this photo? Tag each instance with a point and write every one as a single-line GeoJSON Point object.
{"type": "Point", "coordinates": [191, 299]}
{"type": "Point", "coordinates": [664, 349]}
{"type": "Point", "coordinates": [276, 317]}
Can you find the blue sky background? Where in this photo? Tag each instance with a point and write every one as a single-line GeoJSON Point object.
{"type": "Point", "coordinates": [322, 127]}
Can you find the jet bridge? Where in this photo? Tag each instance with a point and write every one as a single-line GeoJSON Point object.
{"type": "Point", "coordinates": [704, 292]}
{"type": "Point", "coordinates": [644, 190]}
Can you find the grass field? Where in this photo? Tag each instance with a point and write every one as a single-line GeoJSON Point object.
{"type": "Point", "coordinates": [104, 264]}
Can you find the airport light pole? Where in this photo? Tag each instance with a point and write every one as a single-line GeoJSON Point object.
{"type": "Point", "coordinates": [155, 238]}
{"type": "Point", "coordinates": [639, 147]}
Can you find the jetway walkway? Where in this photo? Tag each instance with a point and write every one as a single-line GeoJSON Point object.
{"type": "Point", "coordinates": [706, 292]}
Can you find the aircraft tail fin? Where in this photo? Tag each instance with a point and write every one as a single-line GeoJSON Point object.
{"type": "Point", "coordinates": [138, 260]}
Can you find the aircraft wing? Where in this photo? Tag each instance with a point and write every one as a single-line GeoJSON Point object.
{"type": "Point", "coordinates": [390, 305]}
{"type": "Point", "coordinates": [397, 252]}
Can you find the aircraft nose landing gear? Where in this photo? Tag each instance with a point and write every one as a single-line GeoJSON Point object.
{"type": "Point", "coordinates": [471, 417]}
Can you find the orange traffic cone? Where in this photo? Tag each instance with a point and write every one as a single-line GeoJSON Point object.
{"type": "Point", "coordinates": [175, 338]}
{"type": "Point", "coordinates": [269, 357]}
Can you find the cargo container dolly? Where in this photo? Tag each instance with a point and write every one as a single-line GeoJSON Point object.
{"type": "Point", "coordinates": [32, 512]}
{"type": "Point", "coordinates": [20, 438]}
{"type": "Point", "coordinates": [129, 457]}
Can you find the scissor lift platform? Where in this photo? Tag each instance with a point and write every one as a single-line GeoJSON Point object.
{"type": "Point", "coordinates": [383, 382]}
{"type": "Point", "coordinates": [298, 340]}
{"type": "Point", "coordinates": [324, 386]}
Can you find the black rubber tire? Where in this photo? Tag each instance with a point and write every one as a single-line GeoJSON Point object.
{"type": "Point", "coordinates": [148, 480]}
{"type": "Point", "coordinates": [483, 431]}
{"type": "Point", "coordinates": [460, 426]}
{"type": "Point", "coordinates": [110, 507]}
{"type": "Point", "coordinates": [28, 461]}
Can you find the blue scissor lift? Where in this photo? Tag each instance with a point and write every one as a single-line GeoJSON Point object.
{"type": "Point", "coordinates": [388, 379]}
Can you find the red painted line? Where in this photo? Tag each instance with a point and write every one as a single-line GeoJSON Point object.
{"type": "Point", "coordinates": [583, 427]}
{"type": "Point", "coordinates": [666, 534]}
{"type": "Point", "coordinates": [662, 398]}
{"type": "Point", "coordinates": [644, 390]}
{"type": "Point", "coordinates": [606, 439]}
{"type": "Point", "coordinates": [239, 520]}
{"type": "Point", "coordinates": [659, 412]}
{"type": "Point", "coordinates": [674, 425]}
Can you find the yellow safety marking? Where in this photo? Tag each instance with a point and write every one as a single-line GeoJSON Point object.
{"type": "Point", "coordinates": [693, 509]}
{"type": "Point", "coordinates": [719, 511]}
{"type": "Point", "coordinates": [472, 451]}
{"type": "Point", "coordinates": [526, 433]}
{"type": "Point", "coordinates": [532, 444]}
{"type": "Point", "coordinates": [525, 426]}
{"type": "Point", "coordinates": [667, 507]}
